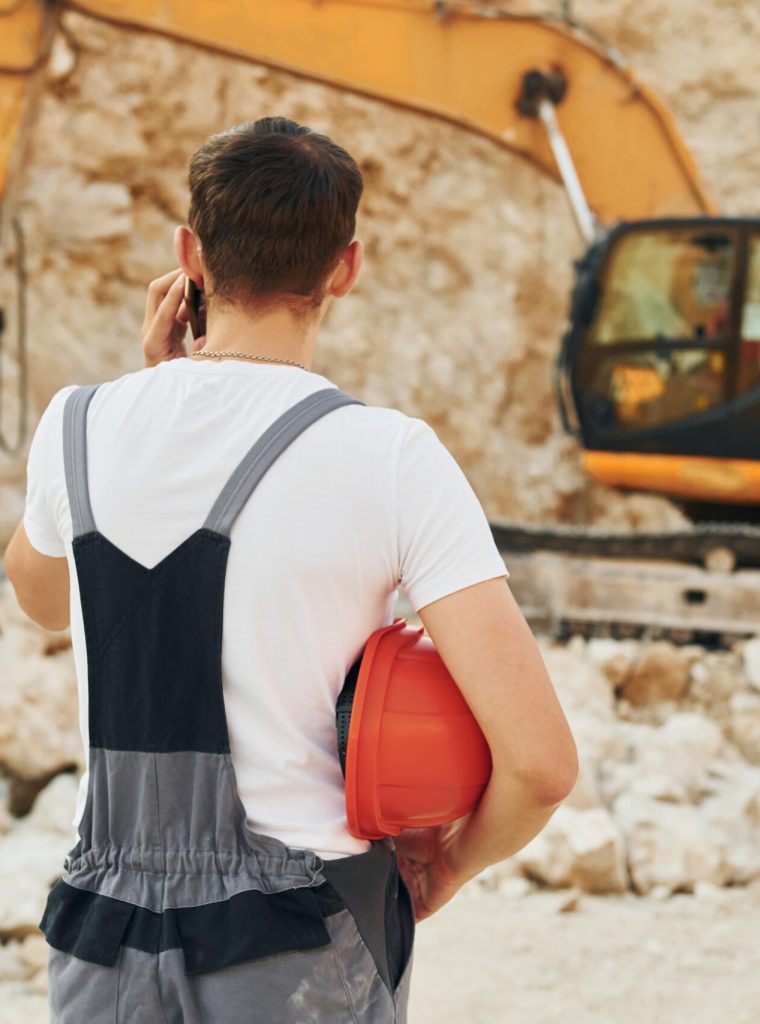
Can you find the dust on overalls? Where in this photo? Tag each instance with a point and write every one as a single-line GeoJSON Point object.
{"type": "Point", "coordinates": [172, 910]}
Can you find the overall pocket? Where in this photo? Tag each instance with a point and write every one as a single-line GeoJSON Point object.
{"type": "Point", "coordinates": [399, 926]}
{"type": "Point", "coordinates": [368, 911]}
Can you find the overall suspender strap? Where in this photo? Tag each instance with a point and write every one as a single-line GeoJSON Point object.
{"type": "Point", "coordinates": [240, 485]}
{"type": "Point", "coordinates": [75, 457]}
{"type": "Point", "coordinates": [272, 443]}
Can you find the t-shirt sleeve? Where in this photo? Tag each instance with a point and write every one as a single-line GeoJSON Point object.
{"type": "Point", "coordinates": [444, 540]}
{"type": "Point", "coordinates": [39, 522]}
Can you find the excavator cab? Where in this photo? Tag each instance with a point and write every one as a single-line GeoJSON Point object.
{"type": "Point", "coordinates": [659, 371]}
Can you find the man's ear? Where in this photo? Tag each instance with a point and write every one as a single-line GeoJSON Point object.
{"type": "Point", "coordinates": [187, 251]}
{"type": "Point", "coordinates": [345, 274]}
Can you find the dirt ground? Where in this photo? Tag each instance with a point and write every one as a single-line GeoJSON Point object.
{"type": "Point", "coordinates": [487, 958]}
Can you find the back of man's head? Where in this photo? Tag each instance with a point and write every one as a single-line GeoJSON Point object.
{"type": "Point", "coordinates": [274, 205]}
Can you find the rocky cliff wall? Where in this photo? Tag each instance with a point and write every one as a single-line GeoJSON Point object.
{"type": "Point", "coordinates": [457, 315]}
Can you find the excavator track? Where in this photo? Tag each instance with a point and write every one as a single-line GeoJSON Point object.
{"type": "Point", "coordinates": [696, 585]}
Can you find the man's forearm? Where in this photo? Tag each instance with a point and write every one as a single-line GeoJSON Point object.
{"type": "Point", "coordinates": [40, 583]}
{"type": "Point", "coordinates": [508, 816]}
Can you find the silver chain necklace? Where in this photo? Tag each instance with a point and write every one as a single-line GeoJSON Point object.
{"type": "Point", "coordinates": [247, 355]}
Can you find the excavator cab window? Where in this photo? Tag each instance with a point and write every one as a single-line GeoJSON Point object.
{"type": "Point", "coordinates": [665, 328]}
{"type": "Point", "coordinates": [656, 350]}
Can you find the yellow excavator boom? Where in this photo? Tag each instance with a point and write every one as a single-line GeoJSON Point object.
{"type": "Point", "coordinates": [25, 27]}
{"type": "Point", "coordinates": [445, 59]}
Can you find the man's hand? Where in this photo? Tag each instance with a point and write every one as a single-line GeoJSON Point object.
{"type": "Point", "coordinates": [165, 323]}
{"type": "Point", "coordinates": [424, 867]}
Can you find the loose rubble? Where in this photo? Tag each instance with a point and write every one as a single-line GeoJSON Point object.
{"type": "Point", "coordinates": [668, 796]}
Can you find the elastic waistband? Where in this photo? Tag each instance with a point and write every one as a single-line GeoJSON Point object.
{"type": "Point", "coordinates": [357, 867]}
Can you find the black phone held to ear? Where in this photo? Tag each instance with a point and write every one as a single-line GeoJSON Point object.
{"type": "Point", "coordinates": [196, 308]}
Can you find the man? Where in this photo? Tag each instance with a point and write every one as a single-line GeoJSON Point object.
{"type": "Point", "coordinates": [214, 877]}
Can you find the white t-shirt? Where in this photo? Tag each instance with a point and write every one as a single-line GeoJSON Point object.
{"type": "Point", "coordinates": [365, 500]}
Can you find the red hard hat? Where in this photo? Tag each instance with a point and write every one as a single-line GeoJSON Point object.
{"type": "Point", "coordinates": [411, 750]}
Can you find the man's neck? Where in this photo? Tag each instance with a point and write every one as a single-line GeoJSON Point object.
{"type": "Point", "coordinates": [275, 334]}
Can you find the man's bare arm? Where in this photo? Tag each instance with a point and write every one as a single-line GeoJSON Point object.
{"type": "Point", "coordinates": [41, 583]}
{"type": "Point", "coordinates": [488, 647]}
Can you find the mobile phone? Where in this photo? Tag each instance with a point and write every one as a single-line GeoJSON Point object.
{"type": "Point", "coordinates": [195, 304]}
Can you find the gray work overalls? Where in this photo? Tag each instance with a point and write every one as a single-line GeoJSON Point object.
{"type": "Point", "coordinates": [172, 910]}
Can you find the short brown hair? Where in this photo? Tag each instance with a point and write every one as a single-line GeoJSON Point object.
{"type": "Point", "coordinates": [274, 204]}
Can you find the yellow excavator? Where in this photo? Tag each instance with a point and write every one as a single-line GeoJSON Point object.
{"type": "Point", "coordinates": [658, 374]}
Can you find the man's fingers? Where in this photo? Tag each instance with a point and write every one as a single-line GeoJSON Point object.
{"type": "Point", "coordinates": [161, 285]}
{"type": "Point", "coordinates": [168, 308]}
{"type": "Point", "coordinates": [158, 289]}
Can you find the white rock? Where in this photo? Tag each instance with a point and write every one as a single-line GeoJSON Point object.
{"type": "Point", "coordinates": [577, 848]}
{"type": "Point", "coordinates": [20, 636]}
{"type": "Point", "coordinates": [714, 678]}
{"type": "Point", "coordinates": [496, 874]}
{"type": "Point", "coordinates": [21, 1004]}
{"type": "Point", "coordinates": [76, 212]}
{"type": "Point", "coordinates": [586, 791]}
{"type": "Point", "coordinates": [11, 966]}
{"type": "Point", "coordinates": [660, 673]}
{"type": "Point", "coordinates": [672, 761]}
{"type": "Point", "coordinates": [20, 961]}
{"type": "Point", "coordinates": [39, 732]}
{"type": "Point", "coordinates": [744, 725]}
{"type": "Point", "coordinates": [708, 891]}
{"type": "Point", "coordinates": [31, 857]}
{"type": "Point", "coordinates": [515, 888]}
{"type": "Point", "coordinates": [53, 809]}
{"type": "Point", "coordinates": [33, 954]}
{"type": "Point", "coordinates": [566, 901]}
{"type": "Point", "coordinates": [669, 845]}
{"type": "Point", "coordinates": [659, 893]}
{"type": "Point", "coordinates": [581, 685]}
{"type": "Point", "coordinates": [751, 658]}
{"type": "Point", "coordinates": [614, 657]}
{"type": "Point", "coordinates": [62, 60]}
{"type": "Point", "coordinates": [733, 818]}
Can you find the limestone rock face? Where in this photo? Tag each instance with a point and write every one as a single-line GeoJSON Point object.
{"type": "Point", "coordinates": [458, 313]}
